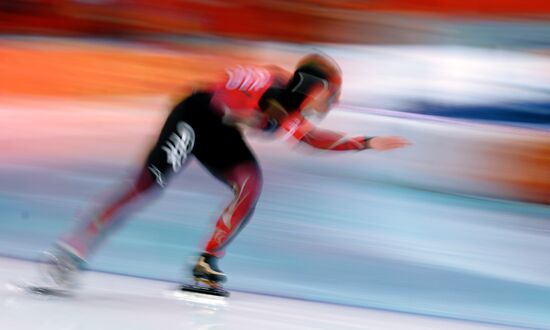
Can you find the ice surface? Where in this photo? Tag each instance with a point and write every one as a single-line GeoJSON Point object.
{"type": "Point", "coordinates": [111, 302]}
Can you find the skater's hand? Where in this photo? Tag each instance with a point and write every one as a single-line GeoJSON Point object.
{"type": "Point", "coordinates": [383, 143]}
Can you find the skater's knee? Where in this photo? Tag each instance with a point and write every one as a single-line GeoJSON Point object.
{"type": "Point", "coordinates": [147, 179]}
{"type": "Point", "coordinates": [251, 187]}
{"type": "Point", "coordinates": [254, 178]}
{"type": "Point", "coordinates": [256, 189]}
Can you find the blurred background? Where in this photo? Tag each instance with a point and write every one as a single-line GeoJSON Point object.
{"type": "Point", "coordinates": [458, 225]}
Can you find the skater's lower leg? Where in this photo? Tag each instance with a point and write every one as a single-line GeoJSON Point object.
{"type": "Point", "coordinates": [92, 228]}
{"type": "Point", "coordinates": [246, 181]}
{"type": "Point", "coordinates": [68, 257]}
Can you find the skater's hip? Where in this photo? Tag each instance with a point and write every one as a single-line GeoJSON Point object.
{"type": "Point", "coordinates": [195, 128]}
{"type": "Point", "coordinates": [196, 108]}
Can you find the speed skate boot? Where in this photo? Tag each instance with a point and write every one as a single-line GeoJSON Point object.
{"type": "Point", "coordinates": [207, 271]}
{"type": "Point", "coordinates": [208, 277]}
{"type": "Point", "coordinates": [61, 271]}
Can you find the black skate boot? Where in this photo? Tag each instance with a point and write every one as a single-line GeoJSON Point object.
{"type": "Point", "coordinates": [208, 277]}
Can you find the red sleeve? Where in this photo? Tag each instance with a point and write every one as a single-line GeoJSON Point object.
{"type": "Point", "coordinates": [303, 131]}
{"type": "Point", "coordinates": [329, 140]}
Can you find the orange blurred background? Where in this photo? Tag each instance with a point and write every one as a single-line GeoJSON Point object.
{"type": "Point", "coordinates": [297, 21]}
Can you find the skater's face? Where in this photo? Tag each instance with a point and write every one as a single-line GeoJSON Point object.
{"type": "Point", "coordinates": [321, 104]}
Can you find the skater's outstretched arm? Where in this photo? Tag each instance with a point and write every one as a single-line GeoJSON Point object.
{"type": "Point", "coordinates": [305, 132]}
{"type": "Point", "coordinates": [329, 140]}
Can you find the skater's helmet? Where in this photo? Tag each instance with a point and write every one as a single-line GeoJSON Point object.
{"type": "Point", "coordinates": [320, 78]}
{"type": "Point", "coordinates": [321, 66]}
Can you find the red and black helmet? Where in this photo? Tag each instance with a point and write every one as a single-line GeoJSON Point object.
{"type": "Point", "coordinates": [315, 84]}
{"type": "Point", "coordinates": [322, 67]}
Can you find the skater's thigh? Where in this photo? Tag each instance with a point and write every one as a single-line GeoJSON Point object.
{"type": "Point", "coordinates": [221, 149]}
{"type": "Point", "coordinates": [177, 138]}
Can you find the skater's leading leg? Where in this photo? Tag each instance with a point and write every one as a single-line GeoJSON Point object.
{"type": "Point", "coordinates": [246, 181]}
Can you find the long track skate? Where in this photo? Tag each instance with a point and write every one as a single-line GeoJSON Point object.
{"type": "Point", "coordinates": [205, 286]}
{"type": "Point", "coordinates": [207, 277]}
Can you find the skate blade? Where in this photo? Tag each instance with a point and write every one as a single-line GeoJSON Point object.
{"type": "Point", "coordinates": [198, 296]}
{"type": "Point", "coordinates": [207, 287]}
{"type": "Point", "coordinates": [48, 291]}
{"type": "Point", "coordinates": [39, 290]}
